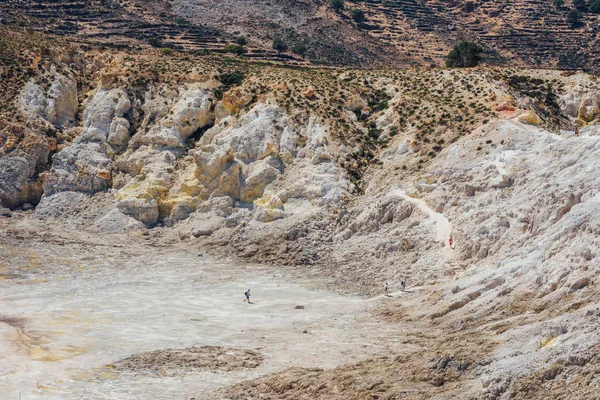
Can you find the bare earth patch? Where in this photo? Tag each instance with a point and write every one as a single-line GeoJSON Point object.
{"type": "Point", "coordinates": [172, 362]}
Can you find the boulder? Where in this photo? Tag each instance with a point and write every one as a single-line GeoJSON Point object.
{"type": "Point", "coordinates": [197, 232]}
{"type": "Point", "coordinates": [579, 284]}
{"type": "Point", "coordinates": [309, 93]}
{"type": "Point", "coordinates": [529, 117]}
{"type": "Point", "coordinates": [117, 222]}
{"type": "Point", "coordinates": [588, 110]}
{"type": "Point", "coordinates": [143, 210]}
{"type": "Point", "coordinates": [265, 214]}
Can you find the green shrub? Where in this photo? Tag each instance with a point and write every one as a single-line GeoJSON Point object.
{"type": "Point", "coordinates": [463, 55]}
{"type": "Point", "coordinates": [235, 48]}
{"type": "Point", "coordinates": [300, 49]}
{"type": "Point", "coordinates": [167, 51]}
{"type": "Point", "coordinates": [228, 80]}
{"type": "Point", "coordinates": [573, 17]}
{"type": "Point", "coordinates": [279, 45]}
{"type": "Point", "coordinates": [155, 42]}
{"type": "Point", "coordinates": [357, 15]}
{"type": "Point", "coordinates": [595, 6]}
{"type": "Point", "coordinates": [241, 41]}
{"type": "Point", "coordinates": [337, 5]}
{"type": "Point", "coordinates": [469, 7]}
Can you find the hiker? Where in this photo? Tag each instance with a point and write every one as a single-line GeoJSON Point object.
{"type": "Point", "coordinates": [402, 285]}
{"type": "Point", "coordinates": [450, 242]}
{"type": "Point", "coordinates": [576, 131]}
{"type": "Point", "coordinates": [247, 294]}
{"type": "Point", "coordinates": [386, 289]}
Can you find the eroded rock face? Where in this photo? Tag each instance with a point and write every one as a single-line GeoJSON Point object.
{"type": "Point", "coordinates": [18, 166]}
{"type": "Point", "coordinates": [240, 160]}
{"type": "Point", "coordinates": [103, 118]}
{"type": "Point", "coordinates": [79, 168]}
{"type": "Point", "coordinates": [58, 104]}
{"type": "Point", "coordinates": [581, 102]}
{"type": "Point", "coordinates": [191, 111]}
{"type": "Point", "coordinates": [25, 149]}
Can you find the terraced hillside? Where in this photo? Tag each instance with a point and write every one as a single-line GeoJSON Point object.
{"type": "Point", "coordinates": [394, 33]}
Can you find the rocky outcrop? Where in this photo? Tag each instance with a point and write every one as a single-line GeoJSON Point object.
{"type": "Point", "coordinates": [85, 166]}
{"type": "Point", "coordinates": [104, 118]}
{"type": "Point", "coordinates": [581, 101]}
{"type": "Point", "coordinates": [239, 158]}
{"type": "Point", "coordinates": [190, 110]}
{"type": "Point", "coordinates": [19, 162]}
{"type": "Point", "coordinates": [57, 104]}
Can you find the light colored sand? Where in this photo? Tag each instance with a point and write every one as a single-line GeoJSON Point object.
{"type": "Point", "coordinates": [81, 318]}
{"type": "Point", "coordinates": [443, 228]}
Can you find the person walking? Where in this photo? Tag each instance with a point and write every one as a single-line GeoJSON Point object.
{"type": "Point", "coordinates": [385, 290]}
{"type": "Point", "coordinates": [247, 294]}
{"type": "Point", "coordinates": [402, 285]}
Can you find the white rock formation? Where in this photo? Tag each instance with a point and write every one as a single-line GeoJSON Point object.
{"type": "Point", "coordinates": [103, 118]}
{"type": "Point", "coordinates": [58, 104]}
{"type": "Point", "coordinates": [191, 111]}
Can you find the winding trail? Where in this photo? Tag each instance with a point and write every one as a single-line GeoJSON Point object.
{"type": "Point", "coordinates": [443, 227]}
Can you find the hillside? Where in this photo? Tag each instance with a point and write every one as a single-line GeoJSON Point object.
{"type": "Point", "coordinates": [142, 190]}
{"type": "Point", "coordinates": [530, 33]}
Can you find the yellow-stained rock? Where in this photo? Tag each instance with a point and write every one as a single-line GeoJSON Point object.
{"type": "Point", "coordinates": [236, 98]}
{"type": "Point", "coordinates": [146, 189]}
{"type": "Point", "coordinates": [530, 117]}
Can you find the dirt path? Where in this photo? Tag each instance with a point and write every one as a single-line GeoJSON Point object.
{"type": "Point", "coordinates": [74, 310]}
{"type": "Point", "coordinates": [443, 227]}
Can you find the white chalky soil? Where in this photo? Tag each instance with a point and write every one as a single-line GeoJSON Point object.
{"type": "Point", "coordinates": [63, 326]}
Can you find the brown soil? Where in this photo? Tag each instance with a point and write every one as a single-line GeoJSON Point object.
{"type": "Point", "coordinates": [172, 362]}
